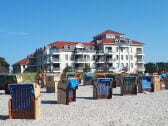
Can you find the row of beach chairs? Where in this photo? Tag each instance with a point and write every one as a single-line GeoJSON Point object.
{"type": "Point", "coordinates": [25, 99]}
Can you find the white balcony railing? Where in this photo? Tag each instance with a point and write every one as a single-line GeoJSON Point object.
{"type": "Point", "coordinates": [56, 69]}
{"type": "Point", "coordinates": [84, 51]}
{"type": "Point", "coordinates": [141, 69]}
{"type": "Point", "coordinates": [82, 60]}
{"type": "Point", "coordinates": [55, 60]}
{"type": "Point", "coordinates": [140, 52]}
{"type": "Point", "coordinates": [140, 61]}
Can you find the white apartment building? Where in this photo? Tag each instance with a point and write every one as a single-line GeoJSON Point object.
{"type": "Point", "coordinates": [109, 51]}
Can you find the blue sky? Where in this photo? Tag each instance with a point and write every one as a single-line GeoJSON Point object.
{"type": "Point", "coordinates": [29, 24]}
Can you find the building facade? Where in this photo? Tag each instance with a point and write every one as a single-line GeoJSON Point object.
{"type": "Point", "coordinates": [108, 51]}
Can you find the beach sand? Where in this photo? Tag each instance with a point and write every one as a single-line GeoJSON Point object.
{"type": "Point", "coordinates": [143, 109]}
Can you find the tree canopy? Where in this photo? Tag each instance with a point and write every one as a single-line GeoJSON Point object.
{"type": "Point", "coordinates": [4, 65]}
{"type": "Point", "coordinates": [156, 67]}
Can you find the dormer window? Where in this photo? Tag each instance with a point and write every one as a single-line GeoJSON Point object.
{"type": "Point", "coordinates": [110, 36]}
{"type": "Point", "coordinates": [71, 47]}
{"type": "Point", "coordinates": [65, 47]}
{"type": "Point", "coordinates": [87, 47]}
{"type": "Point", "coordinates": [53, 49]}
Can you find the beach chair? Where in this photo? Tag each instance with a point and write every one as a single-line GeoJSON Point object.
{"type": "Point", "coordinates": [67, 90]}
{"type": "Point", "coordinates": [146, 84]}
{"type": "Point", "coordinates": [5, 80]}
{"type": "Point", "coordinates": [88, 79]}
{"type": "Point", "coordinates": [164, 80]}
{"type": "Point", "coordinates": [52, 83]}
{"type": "Point", "coordinates": [102, 88]}
{"type": "Point", "coordinates": [129, 85]}
{"type": "Point", "coordinates": [70, 74]}
{"type": "Point", "coordinates": [25, 101]}
{"type": "Point", "coordinates": [78, 76]}
{"type": "Point", "coordinates": [156, 83]}
{"type": "Point", "coordinates": [113, 76]}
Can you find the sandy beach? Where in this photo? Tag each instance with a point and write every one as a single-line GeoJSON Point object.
{"type": "Point", "coordinates": [143, 109]}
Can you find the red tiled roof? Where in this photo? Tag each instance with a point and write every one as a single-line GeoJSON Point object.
{"type": "Point", "coordinates": [87, 43]}
{"type": "Point", "coordinates": [109, 32]}
{"type": "Point", "coordinates": [22, 62]}
{"type": "Point", "coordinates": [108, 40]}
{"type": "Point", "coordinates": [136, 43]}
{"type": "Point", "coordinates": [61, 44]}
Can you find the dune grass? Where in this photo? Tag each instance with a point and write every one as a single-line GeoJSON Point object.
{"type": "Point", "coordinates": [27, 77]}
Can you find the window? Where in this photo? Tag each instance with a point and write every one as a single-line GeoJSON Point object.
{"type": "Point", "coordinates": [72, 47]}
{"type": "Point", "coordinates": [93, 58]}
{"type": "Point", "coordinates": [72, 57]}
{"type": "Point", "coordinates": [126, 57]}
{"type": "Point", "coordinates": [131, 49]}
{"type": "Point", "coordinates": [66, 64]}
{"type": "Point", "coordinates": [65, 47]}
{"type": "Point", "coordinates": [126, 64]}
{"type": "Point", "coordinates": [66, 57]}
{"type": "Point", "coordinates": [93, 66]}
{"type": "Point", "coordinates": [117, 57]}
{"type": "Point", "coordinates": [122, 57]}
{"type": "Point", "coordinates": [117, 65]}
{"type": "Point", "coordinates": [131, 56]}
{"type": "Point", "coordinates": [132, 65]}
{"type": "Point", "coordinates": [121, 49]}
{"type": "Point", "coordinates": [116, 49]}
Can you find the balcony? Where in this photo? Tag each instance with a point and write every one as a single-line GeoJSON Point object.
{"type": "Point", "coordinates": [100, 52]}
{"type": "Point", "coordinates": [54, 52]}
{"type": "Point", "coordinates": [56, 69]}
{"type": "Point", "coordinates": [55, 60]}
{"type": "Point", "coordinates": [82, 60]}
{"type": "Point", "coordinates": [79, 69]}
{"type": "Point", "coordinates": [140, 61]}
{"type": "Point", "coordinates": [110, 60]}
{"type": "Point", "coordinates": [100, 69]}
{"type": "Point", "coordinates": [84, 51]}
{"type": "Point", "coordinates": [100, 61]}
{"type": "Point", "coordinates": [140, 52]}
{"type": "Point", "coordinates": [109, 52]}
{"type": "Point", "coordinates": [140, 69]}
{"type": "Point", "coordinates": [32, 64]}
{"type": "Point", "coordinates": [112, 69]}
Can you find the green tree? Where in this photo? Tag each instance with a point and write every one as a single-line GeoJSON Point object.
{"type": "Point", "coordinates": [162, 67]}
{"type": "Point", "coordinates": [4, 66]}
{"type": "Point", "coordinates": [150, 68]}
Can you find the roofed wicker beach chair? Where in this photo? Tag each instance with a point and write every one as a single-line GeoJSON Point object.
{"type": "Point", "coordinates": [25, 101]}
{"type": "Point", "coordinates": [102, 88]}
{"type": "Point", "coordinates": [88, 79]}
{"type": "Point", "coordinates": [145, 83]}
{"type": "Point", "coordinates": [128, 85]}
{"type": "Point", "coordinates": [67, 90]}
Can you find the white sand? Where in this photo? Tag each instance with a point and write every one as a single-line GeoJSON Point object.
{"type": "Point", "coordinates": [150, 109]}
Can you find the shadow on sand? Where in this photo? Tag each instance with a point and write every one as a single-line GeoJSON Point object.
{"type": "Point", "coordinates": [48, 102]}
{"type": "Point", "coordinates": [88, 98]}
{"type": "Point", "coordinates": [3, 117]}
{"type": "Point", "coordinates": [117, 95]}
